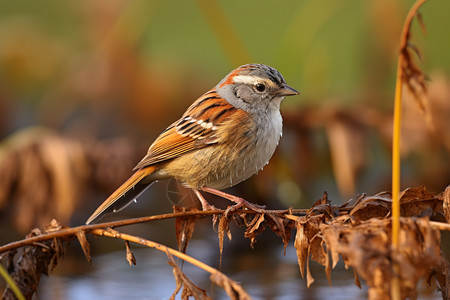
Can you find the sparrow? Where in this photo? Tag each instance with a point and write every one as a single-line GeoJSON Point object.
{"type": "Point", "coordinates": [223, 138]}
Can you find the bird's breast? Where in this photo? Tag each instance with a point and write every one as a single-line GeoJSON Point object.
{"type": "Point", "coordinates": [249, 149]}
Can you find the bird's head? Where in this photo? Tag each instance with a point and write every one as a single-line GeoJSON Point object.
{"type": "Point", "coordinates": [255, 87]}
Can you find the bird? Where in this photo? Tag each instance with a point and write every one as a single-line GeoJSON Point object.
{"type": "Point", "coordinates": [227, 135]}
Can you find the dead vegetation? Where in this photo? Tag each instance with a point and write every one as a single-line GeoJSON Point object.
{"type": "Point", "coordinates": [362, 238]}
{"type": "Point", "coordinates": [358, 232]}
{"type": "Point", "coordinates": [44, 174]}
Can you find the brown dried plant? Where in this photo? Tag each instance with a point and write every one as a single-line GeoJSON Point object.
{"type": "Point", "coordinates": [44, 174]}
{"type": "Point", "coordinates": [358, 231]}
{"type": "Point", "coordinates": [362, 238]}
{"type": "Point", "coordinates": [412, 76]}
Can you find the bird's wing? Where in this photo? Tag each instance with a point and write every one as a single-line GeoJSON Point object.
{"type": "Point", "coordinates": [196, 129]}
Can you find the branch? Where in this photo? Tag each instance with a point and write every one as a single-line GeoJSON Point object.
{"type": "Point", "coordinates": [72, 231]}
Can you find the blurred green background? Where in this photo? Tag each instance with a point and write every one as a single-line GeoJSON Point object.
{"type": "Point", "coordinates": [86, 86]}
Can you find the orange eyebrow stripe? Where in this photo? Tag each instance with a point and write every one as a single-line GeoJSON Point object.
{"type": "Point", "coordinates": [230, 76]}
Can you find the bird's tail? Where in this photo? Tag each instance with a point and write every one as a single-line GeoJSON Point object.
{"type": "Point", "coordinates": [125, 194]}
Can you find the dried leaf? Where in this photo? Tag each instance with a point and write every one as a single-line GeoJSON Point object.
{"type": "Point", "coordinates": [301, 246]}
{"type": "Point", "coordinates": [58, 248]}
{"type": "Point", "coordinates": [223, 227]}
{"type": "Point", "coordinates": [281, 227]}
{"type": "Point", "coordinates": [84, 245]}
{"type": "Point", "coordinates": [189, 288]}
{"type": "Point", "coordinates": [421, 23]}
{"type": "Point", "coordinates": [316, 250]}
{"type": "Point", "coordinates": [307, 237]}
{"type": "Point", "coordinates": [443, 278]}
{"type": "Point", "coordinates": [328, 268]}
{"type": "Point", "coordinates": [31, 263]}
{"type": "Point", "coordinates": [413, 77]}
{"type": "Point", "coordinates": [254, 228]}
{"type": "Point", "coordinates": [323, 207]}
{"type": "Point", "coordinates": [331, 235]}
{"type": "Point", "coordinates": [352, 201]}
{"type": "Point", "coordinates": [415, 49]}
{"type": "Point", "coordinates": [445, 197]}
{"type": "Point", "coordinates": [184, 227]}
{"type": "Point", "coordinates": [309, 277]}
{"type": "Point", "coordinates": [231, 287]}
{"type": "Point", "coordinates": [255, 223]}
{"type": "Point", "coordinates": [414, 193]}
{"type": "Point", "coordinates": [323, 200]}
{"type": "Point", "coordinates": [413, 202]}
{"type": "Point", "coordinates": [130, 256]}
{"type": "Point", "coordinates": [372, 207]}
{"type": "Point", "coordinates": [53, 226]}
{"type": "Point", "coordinates": [357, 282]}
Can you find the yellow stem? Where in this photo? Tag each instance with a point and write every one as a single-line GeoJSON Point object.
{"type": "Point", "coordinates": [396, 154]}
{"type": "Point", "coordinates": [397, 124]}
{"type": "Point", "coordinates": [395, 282]}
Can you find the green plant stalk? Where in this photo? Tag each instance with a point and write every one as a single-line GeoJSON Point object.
{"type": "Point", "coordinates": [12, 284]}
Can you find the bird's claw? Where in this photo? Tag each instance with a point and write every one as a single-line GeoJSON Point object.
{"type": "Point", "coordinates": [245, 204]}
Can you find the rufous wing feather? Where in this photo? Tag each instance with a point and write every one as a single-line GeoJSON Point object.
{"type": "Point", "coordinates": [196, 129]}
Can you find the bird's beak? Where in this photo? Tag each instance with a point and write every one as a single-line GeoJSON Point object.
{"type": "Point", "coordinates": [287, 91]}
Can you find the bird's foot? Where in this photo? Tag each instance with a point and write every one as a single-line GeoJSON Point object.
{"type": "Point", "coordinates": [240, 202]}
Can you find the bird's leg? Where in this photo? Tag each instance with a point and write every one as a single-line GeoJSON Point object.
{"type": "Point", "coordinates": [240, 202]}
{"type": "Point", "coordinates": [205, 204]}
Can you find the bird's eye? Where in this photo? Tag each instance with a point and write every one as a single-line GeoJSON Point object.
{"type": "Point", "coordinates": [260, 87]}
